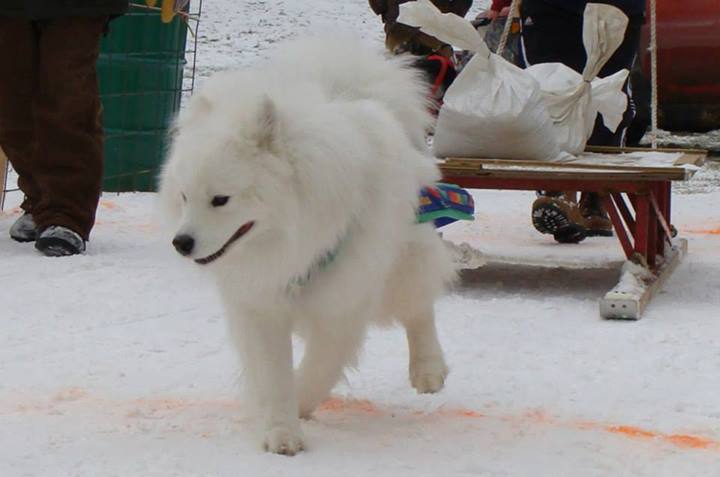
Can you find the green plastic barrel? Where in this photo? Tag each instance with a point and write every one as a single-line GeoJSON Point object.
{"type": "Point", "coordinates": [140, 73]}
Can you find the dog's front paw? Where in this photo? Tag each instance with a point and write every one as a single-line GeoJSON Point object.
{"type": "Point", "coordinates": [282, 440]}
{"type": "Point", "coordinates": [428, 375]}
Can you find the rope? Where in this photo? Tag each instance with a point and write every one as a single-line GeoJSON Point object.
{"type": "Point", "coordinates": [506, 30]}
{"type": "Point", "coordinates": [653, 75]}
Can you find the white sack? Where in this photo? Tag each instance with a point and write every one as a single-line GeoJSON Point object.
{"type": "Point", "coordinates": [495, 109]}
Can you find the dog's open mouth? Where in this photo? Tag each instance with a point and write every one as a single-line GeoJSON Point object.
{"type": "Point", "coordinates": [245, 228]}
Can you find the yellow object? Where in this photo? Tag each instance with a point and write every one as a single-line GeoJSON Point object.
{"type": "Point", "coordinates": [168, 11]}
{"type": "Point", "coordinates": [151, 3]}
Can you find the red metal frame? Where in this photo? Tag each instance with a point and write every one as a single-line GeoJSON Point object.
{"type": "Point", "coordinates": [444, 67]}
{"type": "Point", "coordinates": [642, 236]}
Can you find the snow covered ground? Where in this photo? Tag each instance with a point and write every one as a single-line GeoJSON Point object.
{"type": "Point", "coordinates": [116, 362]}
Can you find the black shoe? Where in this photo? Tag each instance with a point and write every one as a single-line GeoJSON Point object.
{"type": "Point", "coordinates": [24, 229]}
{"type": "Point", "coordinates": [572, 233]}
{"type": "Point", "coordinates": [59, 241]}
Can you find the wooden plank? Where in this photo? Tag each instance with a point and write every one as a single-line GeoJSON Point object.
{"type": "Point", "coordinates": [559, 174]}
{"type": "Point", "coordinates": [675, 172]}
{"type": "Point", "coordinates": [621, 306]}
{"type": "Point", "coordinates": [643, 223]}
{"type": "Point", "coordinates": [661, 218]}
{"type": "Point", "coordinates": [621, 150]}
{"type": "Point", "coordinates": [692, 159]}
{"type": "Point", "coordinates": [504, 163]}
{"type": "Point", "coordinates": [480, 181]}
{"type": "Point", "coordinates": [576, 170]}
{"type": "Point", "coordinates": [4, 163]}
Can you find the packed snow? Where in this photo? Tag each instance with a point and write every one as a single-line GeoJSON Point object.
{"type": "Point", "coordinates": [116, 362]}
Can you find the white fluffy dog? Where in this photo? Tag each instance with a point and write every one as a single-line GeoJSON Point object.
{"type": "Point", "coordinates": [295, 183]}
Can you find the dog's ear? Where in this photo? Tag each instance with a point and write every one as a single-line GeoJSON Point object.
{"type": "Point", "coordinates": [199, 107]}
{"type": "Point", "coordinates": [204, 105]}
{"type": "Point", "coordinates": [267, 119]}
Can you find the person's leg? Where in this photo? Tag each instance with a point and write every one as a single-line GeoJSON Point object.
{"type": "Point", "coordinates": [598, 222]}
{"type": "Point", "coordinates": [623, 58]}
{"type": "Point", "coordinates": [554, 35]}
{"type": "Point", "coordinates": [69, 162]}
{"type": "Point", "coordinates": [640, 91]}
{"type": "Point", "coordinates": [17, 85]}
{"type": "Point", "coordinates": [551, 35]}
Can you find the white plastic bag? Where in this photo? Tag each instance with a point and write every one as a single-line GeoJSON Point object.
{"type": "Point", "coordinates": [495, 109]}
{"type": "Point", "coordinates": [574, 100]}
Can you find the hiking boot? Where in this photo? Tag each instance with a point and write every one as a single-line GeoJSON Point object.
{"type": "Point", "coordinates": [560, 217]}
{"type": "Point", "coordinates": [597, 221]}
{"type": "Point", "coordinates": [59, 241]}
{"type": "Point", "coordinates": [24, 229]}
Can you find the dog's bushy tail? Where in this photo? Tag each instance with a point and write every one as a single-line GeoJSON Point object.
{"type": "Point", "coordinates": [353, 69]}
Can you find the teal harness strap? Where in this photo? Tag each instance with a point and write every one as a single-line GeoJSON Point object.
{"type": "Point", "coordinates": [441, 204]}
{"type": "Point", "coordinates": [319, 265]}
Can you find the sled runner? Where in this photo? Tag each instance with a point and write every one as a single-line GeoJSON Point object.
{"type": "Point", "coordinates": [636, 188]}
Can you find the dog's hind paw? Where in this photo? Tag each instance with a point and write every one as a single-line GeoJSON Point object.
{"type": "Point", "coordinates": [428, 376]}
{"type": "Point", "coordinates": [281, 440]}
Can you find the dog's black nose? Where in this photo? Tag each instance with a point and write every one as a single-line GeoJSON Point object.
{"type": "Point", "coordinates": [183, 244]}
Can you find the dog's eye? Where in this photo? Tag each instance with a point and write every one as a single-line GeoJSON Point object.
{"type": "Point", "coordinates": [219, 200]}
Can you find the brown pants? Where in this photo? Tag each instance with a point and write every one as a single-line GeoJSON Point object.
{"type": "Point", "coordinates": [50, 116]}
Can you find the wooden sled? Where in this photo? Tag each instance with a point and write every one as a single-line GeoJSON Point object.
{"type": "Point", "coordinates": [635, 185]}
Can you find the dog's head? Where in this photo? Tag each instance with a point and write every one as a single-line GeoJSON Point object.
{"type": "Point", "coordinates": [224, 187]}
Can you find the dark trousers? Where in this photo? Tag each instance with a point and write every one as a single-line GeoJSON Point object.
{"type": "Point", "coordinates": [554, 35]}
{"type": "Point", "coordinates": [50, 116]}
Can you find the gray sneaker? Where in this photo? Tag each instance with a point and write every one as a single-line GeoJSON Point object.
{"type": "Point", "coordinates": [59, 241]}
{"type": "Point", "coordinates": [24, 229]}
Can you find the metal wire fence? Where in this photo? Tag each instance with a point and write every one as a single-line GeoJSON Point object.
{"type": "Point", "coordinates": [145, 69]}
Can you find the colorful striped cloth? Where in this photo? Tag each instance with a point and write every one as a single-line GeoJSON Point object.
{"type": "Point", "coordinates": [444, 204]}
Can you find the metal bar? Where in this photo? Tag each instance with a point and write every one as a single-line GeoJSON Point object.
{"type": "Point", "coordinates": [667, 211]}
{"type": "Point", "coordinates": [653, 225]}
{"type": "Point", "coordinates": [657, 201]}
{"type": "Point", "coordinates": [619, 226]}
{"type": "Point", "coordinates": [624, 211]}
{"type": "Point", "coordinates": [659, 205]}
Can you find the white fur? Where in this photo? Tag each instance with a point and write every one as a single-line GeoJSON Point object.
{"type": "Point", "coordinates": [321, 146]}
